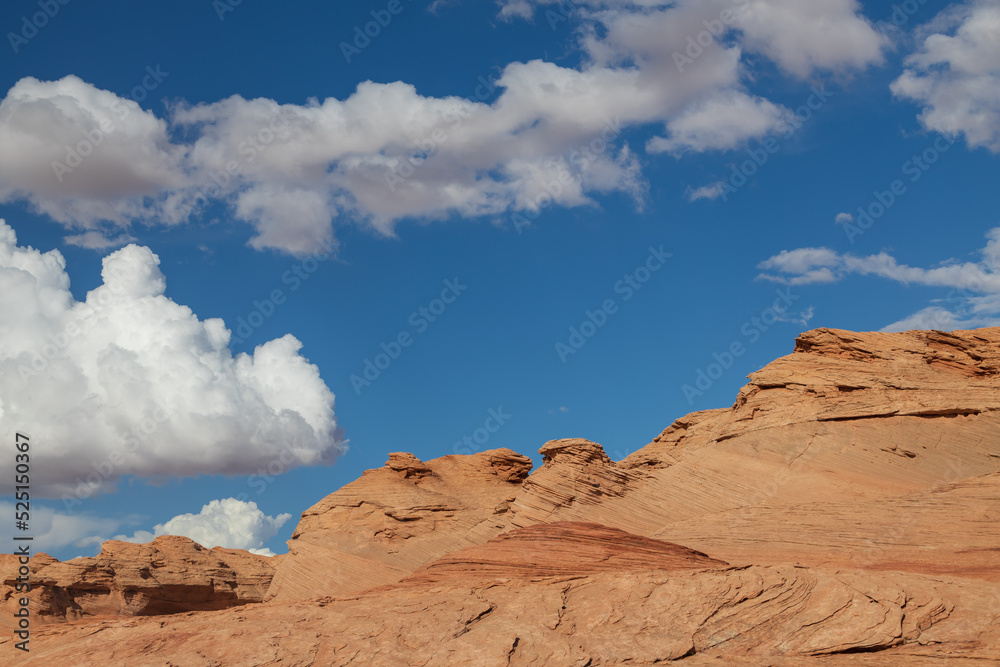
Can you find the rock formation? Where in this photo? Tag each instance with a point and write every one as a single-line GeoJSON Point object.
{"type": "Point", "coordinates": [171, 574]}
{"type": "Point", "coordinates": [845, 510]}
{"type": "Point", "coordinates": [383, 526]}
{"type": "Point", "coordinates": [848, 425]}
{"type": "Point", "coordinates": [679, 605]}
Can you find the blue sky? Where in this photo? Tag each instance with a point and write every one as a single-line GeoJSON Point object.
{"type": "Point", "coordinates": [609, 114]}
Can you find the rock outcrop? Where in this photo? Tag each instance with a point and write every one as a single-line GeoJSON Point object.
{"type": "Point", "coordinates": [392, 520]}
{"type": "Point", "coordinates": [847, 425]}
{"type": "Point", "coordinates": [844, 511]}
{"type": "Point", "coordinates": [684, 607]}
{"type": "Point", "coordinates": [169, 575]}
{"type": "Point", "coordinates": [563, 549]}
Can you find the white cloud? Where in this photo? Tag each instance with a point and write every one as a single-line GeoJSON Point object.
{"type": "Point", "coordinates": [263, 552]}
{"type": "Point", "coordinates": [230, 523]}
{"type": "Point", "coordinates": [553, 135]}
{"type": "Point", "coordinates": [955, 75]}
{"type": "Point", "coordinates": [802, 317]}
{"type": "Point", "coordinates": [803, 36]}
{"type": "Point", "coordinates": [710, 191]}
{"type": "Point", "coordinates": [720, 122]}
{"type": "Point", "coordinates": [941, 319]}
{"type": "Point", "coordinates": [96, 240]}
{"type": "Point", "coordinates": [974, 292]}
{"type": "Point", "coordinates": [120, 152]}
{"type": "Point", "coordinates": [53, 530]}
{"type": "Point", "coordinates": [801, 261]}
{"type": "Point", "coordinates": [128, 382]}
{"type": "Point", "coordinates": [843, 218]}
{"type": "Point", "coordinates": [516, 9]}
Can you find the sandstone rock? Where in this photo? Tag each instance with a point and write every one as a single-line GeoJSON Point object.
{"type": "Point", "coordinates": [859, 418]}
{"type": "Point", "coordinates": [794, 470]}
{"type": "Point", "coordinates": [559, 549]}
{"type": "Point", "coordinates": [391, 521]}
{"type": "Point", "coordinates": [633, 615]}
{"type": "Point", "coordinates": [953, 530]}
{"type": "Point", "coordinates": [171, 574]}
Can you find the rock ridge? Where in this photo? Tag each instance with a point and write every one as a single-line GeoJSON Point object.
{"type": "Point", "coordinates": [169, 575]}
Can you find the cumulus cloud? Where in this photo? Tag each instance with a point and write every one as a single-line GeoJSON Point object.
{"type": "Point", "coordinates": [229, 523]}
{"type": "Point", "coordinates": [803, 36]}
{"type": "Point", "coordinates": [81, 155]}
{"type": "Point", "coordinates": [129, 382]}
{"type": "Point", "coordinates": [955, 74]}
{"type": "Point", "coordinates": [720, 122]}
{"type": "Point", "coordinates": [843, 218]}
{"type": "Point", "coordinates": [973, 298]}
{"type": "Point", "coordinates": [550, 135]}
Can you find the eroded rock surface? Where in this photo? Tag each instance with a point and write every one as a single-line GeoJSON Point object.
{"type": "Point", "coordinates": [171, 574]}
{"type": "Point", "coordinates": [848, 421]}
{"type": "Point", "coordinates": [559, 549]}
{"type": "Point", "coordinates": [392, 520]}
{"type": "Point", "coordinates": [694, 609]}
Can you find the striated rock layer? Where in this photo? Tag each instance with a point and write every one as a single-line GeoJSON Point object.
{"type": "Point", "coordinates": [391, 521]}
{"type": "Point", "coordinates": [559, 549]}
{"type": "Point", "coordinates": [171, 574]}
{"type": "Point", "coordinates": [680, 605]}
{"type": "Point", "coordinates": [850, 425]}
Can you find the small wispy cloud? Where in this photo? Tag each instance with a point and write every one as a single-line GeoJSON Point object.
{"type": "Point", "coordinates": [974, 294]}
{"type": "Point", "coordinates": [710, 191]}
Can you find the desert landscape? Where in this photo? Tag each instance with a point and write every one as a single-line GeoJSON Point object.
{"type": "Point", "coordinates": [843, 511]}
{"type": "Point", "coordinates": [442, 333]}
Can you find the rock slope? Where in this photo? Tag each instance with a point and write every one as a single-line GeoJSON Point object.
{"type": "Point", "coordinates": [171, 574]}
{"type": "Point", "coordinates": [559, 549]}
{"type": "Point", "coordinates": [849, 424]}
{"type": "Point", "coordinates": [680, 605]}
{"type": "Point", "coordinates": [392, 520]}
